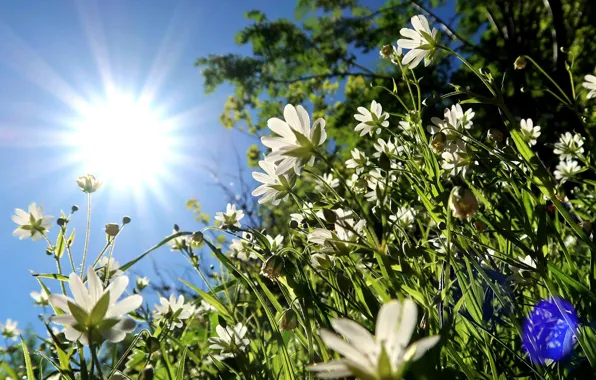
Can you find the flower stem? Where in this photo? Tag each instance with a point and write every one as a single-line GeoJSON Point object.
{"type": "Point", "coordinates": [87, 233]}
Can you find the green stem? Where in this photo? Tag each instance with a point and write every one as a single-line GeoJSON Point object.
{"type": "Point", "coordinates": [87, 233]}
{"type": "Point", "coordinates": [569, 102]}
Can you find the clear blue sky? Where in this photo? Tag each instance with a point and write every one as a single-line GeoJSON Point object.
{"type": "Point", "coordinates": [56, 53]}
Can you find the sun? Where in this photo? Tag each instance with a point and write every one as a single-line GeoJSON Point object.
{"type": "Point", "coordinates": [123, 141]}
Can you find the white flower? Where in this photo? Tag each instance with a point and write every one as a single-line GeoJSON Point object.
{"type": "Point", "coordinates": [371, 121]}
{"type": "Point", "coordinates": [297, 141]}
{"type": "Point", "coordinates": [88, 183]}
{"type": "Point", "coordinates": [404, 218]}
{"type": "Point", "coordinates": [41, 298]}
{"type": "Point", "coordinates": [275, 243]}
{"type": "Point", "coordinates": [328, 179]}
{"type": "Point", "coordinates": [274, 188]}
{"type": "Point", "coordinates": [345, 230]}
{"type": "Point", "coordinates": [406, 125]}
{"type": "Point", "coordinates": [387, 147]}
{"type": "Point", "coordinates": [529, 132]}
{"type": "Point", "coordinates": [110, 265]}
{"type": "Point", "coordinates": [229, 340]}
{"type": "Point", "coordinates": [142, 282]}
{"type": "Point", "coordinates": [205, 308]}
{"type": "Point", "coordinates": [9, 329]}
{"type": "Point", "coordinates": [421, 40]}
{"type": "Point", "coordinates": [566, 169]}
{"type": "Point", "coordinates": [95, 310]}
{"type": "Point", "coordinates": [569, 146]}
{"type": "Point", "coordinates": [456, 161]}
{"type": "Point", "coordinates": [231, 218]}
{"type": "Point", "coordinates": [31, 224]}
{"type": "Point", "coordinates": [242, 248]}
{"type": "Point", "coordinates": [590, 84]}
{"type": "Point", "coordinates": [455, 120]}
{"type": "Point", "coordinates": [378, 357]}
{"type": "Point", "coordinates": [179, 243]}
{"type": "Point", "coordinates": [173, 310]}
{"type": "Point", "coordinates": [358, 161]}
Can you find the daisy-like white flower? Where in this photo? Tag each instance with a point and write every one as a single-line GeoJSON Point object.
{"type": "Point", "coordinates": [241, 249]}
{"type": "Point", "coordinates": [404, 218]}
{"type": "Point", "coordinates": [529, 132]}
{"type": "Point", "coordinates": [109, 266]}
{"type": "Point", "coordinates": [142, 282]}
{"type": "Point", "coordinates": [371, 121]}
{"type": "Point", "coordinates": [274, 188]}
{"type": "Point", "coordinates": [358, 161]}
{"type": "Point", "coordinates": [231, 218]}
{"type": "Point", "coordinates": [179, 243]}
{"type": "Point", "coordinates": [205, 308]}
{"type": "Point", "coordinates": [346, 231]}
{"type": "Point", "coordinates": [229, 340]}
{"type": "Point", "coordinates": [88, 183]}
{"type": "Point", "coordinates": [297, 141]}
{"type": "Point", "coordinates": [327, 180]}
{"type": "Point", "coordinates": [275, 243]}
{"type": "Point", "coordinates": [421, 41]}
{"type": "Point", "coordinates": [32, 223]}
{"type": "Point", "coordinates": [388, 147]}
{"type": "Point", "coordinates": [590, 84]}
{"type": "Point", "coordinates": [456, 161]}
{"type": "Point", "coordinates": [455, 120]}
{"type": "Point", "coordinates": [174, 310]}
{"type": "Point", "coordinates": [566, 170]}
{"type": "Point", "coordinates": [41, 298]}
{"type": "Point", "coordinates": [569, 146]}
{"type": "Point", "coordinates": [382, 356]}
{"type": "Point", "coordinates": [9, 329]}
{"type": "Point", "coordinates": [94, 310]}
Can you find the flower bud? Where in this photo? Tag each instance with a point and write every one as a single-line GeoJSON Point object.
{"type": "Point", "coordinates": [74, 208]}
{"type": "Point", "coordinates": [197, 237]}
{"type": "Point", "coordinates": [437, 144]}
{"type": "Point", "coordinates": [495, 136]}
{"type": "Point", "coordinates": [520, 63]}
{"type": "Point", "coordinates": [272, 268]}
{"type": "Point", "coordinates": [463, 203]}
{"type": "Point", "coordinates": [288, 320]}
{"type": "Point", "coordinates": [126, 220]}
{"type": "Point", "coordinates": [479, 225]}
{"type": "Point", "coordinates": [88, 183]}
{"type": "Point", "coordinates": [386, 51]}
{"type": "Point", "coordinates": [61, 222]}
{"type": "Point", "coordinates": [147, 373]}
{"type": "Point", "coordinates": [321, 261]}
{"type": "Point", "coordinates": [112, 229]}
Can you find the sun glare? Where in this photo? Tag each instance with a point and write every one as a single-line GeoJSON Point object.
{"type": "Point", "coordinates": [123, 142]}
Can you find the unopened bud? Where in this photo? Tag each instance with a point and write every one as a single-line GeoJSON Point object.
{"type": "Point", "coordinates": [288, 320]}
{"type": "Point", "coordinates": [112, 229]}
{"type": "Point", "coordinates": [126, 220]}
{"type": "Point", "coordinates": [463, 203]}
{"type": "Point", "coordinates": [321, 261]}
{"type": "Point", "coordinates": [197, 237]}
{"type": "Point", "coordinates": [437, 144]}
{"type": "Point", "coordinates": [495, 136]}
{"type": "Point", "coordinates": [479, 225]}
{"type": "Point", "coordinates": [520, 63]}
{"type": "Point", "coordinates": [74, 208]}
{"type": "Point", "coordinates": [148, 373]}
{"type": "Point", "coordinates": [61, 222]}
{"type": "Point", "coordinates": [272, 268]}
{"type": "Point", "coordinates": [386, 51]}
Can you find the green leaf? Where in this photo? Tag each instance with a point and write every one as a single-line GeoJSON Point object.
{"type": "Point", "coordinates": [212, 300]}
{"type": "Point", "coordinates": [78, 313]}
{"type": "Point", "coordinates": [129, 264]}
{"type": "Point", "coordinates": [100, 309]}
{"type": "Point", "coordinates": [28, 364]}
{"type": "Point", "coordinates": [54, 276]}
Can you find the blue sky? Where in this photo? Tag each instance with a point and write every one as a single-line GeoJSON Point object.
{"type": "Point", "coordinates": [56, 55]}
